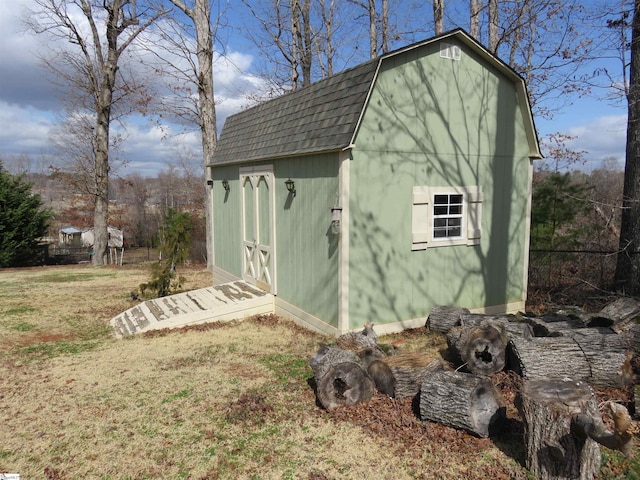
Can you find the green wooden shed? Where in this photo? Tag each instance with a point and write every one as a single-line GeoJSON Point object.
{"type": "Point", "coordinates": [372, 195]}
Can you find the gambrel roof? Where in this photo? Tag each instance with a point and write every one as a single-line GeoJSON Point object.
{"type": "Point", "coordinates": [325, 116]}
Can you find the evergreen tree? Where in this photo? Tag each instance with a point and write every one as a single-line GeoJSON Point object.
{"type": "Point", "coordinates": [174, 249]}
{"type": "Point", "coordinates": [23, 221]}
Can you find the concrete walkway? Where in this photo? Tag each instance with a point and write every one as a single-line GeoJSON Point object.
{"type": "Point", "coordinates": [223, 302]}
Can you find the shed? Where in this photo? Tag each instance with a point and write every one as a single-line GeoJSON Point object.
{"type": "Point", "coordinates": [372, 195]}
{"type": "Point", "coordinates": [70, 237]}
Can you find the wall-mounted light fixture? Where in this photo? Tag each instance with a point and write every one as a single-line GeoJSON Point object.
{"type": "Point", "coordinates": [336, 217]}
{"type": "Point", "coordinates": [291, 187]}
{"type": "Point", "coordinates": [225, 185]}
{"type": "Point", "coordinates": [210, 182]}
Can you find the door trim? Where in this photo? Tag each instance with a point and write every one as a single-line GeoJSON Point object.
{"type": "Point", "coordinates": [261, 254]}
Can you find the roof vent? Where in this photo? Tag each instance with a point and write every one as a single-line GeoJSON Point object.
{"type": "Point", "coordinates": [452, 52]}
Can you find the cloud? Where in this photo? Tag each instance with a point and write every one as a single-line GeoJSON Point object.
{"type": "Point", "coordinates": [602, 137]}
{"type": "Point", "coordinates": [29, 106]}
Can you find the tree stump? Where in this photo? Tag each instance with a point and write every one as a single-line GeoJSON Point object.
{"type": "Point", "coordinates": [461, 400]}
{"type": "Point", "coordinates": [443, 317]}
{"type": "Point", "coordinates": [553, 450]}
{"type": "Point", "coordinates": [481, 350]}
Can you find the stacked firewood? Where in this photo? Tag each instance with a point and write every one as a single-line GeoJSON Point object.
{"type": "Point", "coordinates": [560, 357]}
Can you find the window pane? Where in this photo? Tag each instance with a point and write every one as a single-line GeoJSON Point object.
{"type": "Point", "coordinates": [455, 209]}
{"type": "Point", "coordinates": [455, 222]}
{"type": "Point", "coordinates": [441, 199]}
{"type": "Point", "coordinates": [440, 210]}
{"type": "Point", "coordinates": [456, 199]}
{"type": "Point", "coordinates": [439, 222]}
{"type": "Point", "coordinates": [454, 232]}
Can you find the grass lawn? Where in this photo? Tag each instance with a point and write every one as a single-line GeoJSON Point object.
{"type": "Point", "coordinates": [228, 401]}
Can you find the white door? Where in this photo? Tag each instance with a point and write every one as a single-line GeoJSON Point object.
{"type": "Point", "coordinates": [258, 227]}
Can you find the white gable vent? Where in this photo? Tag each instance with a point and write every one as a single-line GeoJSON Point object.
{"type": "Point", "coordinates": [452, 52]}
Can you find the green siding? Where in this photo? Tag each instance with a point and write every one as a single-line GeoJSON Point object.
{"type": "Point", "coordinates": [306, 251]}
{"type": "Point", "coordinates": [436, 122]}
{"type": "Point", "coordinates": [227, 220]}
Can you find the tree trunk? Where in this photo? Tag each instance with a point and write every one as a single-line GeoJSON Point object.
{"type": "Point", "coordinates": [493, 26]}
{"type": "Point", "coordinates": [627, 275]}
{"type": "Point", "coordinates": [553, 451]}
{"type": "Point", "coordinates": [443, 317]}
{"type": "Point", "coordinates": [461, 400]}
{"type": "Point", "coordinates": [474, 18]}
{"type": "Point", "coordinates": [438, 16]}
{"type": "Point", "coordinates": [481, 350]}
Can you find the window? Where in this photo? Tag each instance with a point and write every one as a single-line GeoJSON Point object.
{"type": "Point", "coordinates": [446, 216]}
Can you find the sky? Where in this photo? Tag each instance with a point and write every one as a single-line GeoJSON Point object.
{"type": "Point", "coordinates": [30, 110]}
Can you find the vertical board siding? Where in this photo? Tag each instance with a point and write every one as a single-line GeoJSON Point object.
{"type": "Point", "coordinates": [436, 122]}
{"type": "Point", "coordinates": [306, 250]}
{"type": "Point", "coordinates": [227, 219]}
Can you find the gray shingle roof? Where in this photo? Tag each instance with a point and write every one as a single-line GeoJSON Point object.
{"type": "Point", "coordinates": [319, 118]}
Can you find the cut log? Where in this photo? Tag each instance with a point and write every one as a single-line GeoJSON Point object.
{"type": "Point", "coordinates": [600, 360]}
{"type": "Point", "coordinates": [461, 400]}
{"type": "Point", "coordinates": [480, 350]}
{"type": "Point", "coordinates": [510, 325]}
{"type": "Point", "coordinates": [358, 340]}
{"type": "Point", "coordinates": [326, 357]}
{"type": "Point", "coordinates": [443, 317]}
{"type": "Point", "coordinates": [344, 384]}
{"type": "Point", "coordinates": [625, 313]}
{"type": "Point", "coordinates": [410, 371]}
{"type": "Point", "coordinates": [553, 450]}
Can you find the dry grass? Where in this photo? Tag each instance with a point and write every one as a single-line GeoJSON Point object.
{"type": "Point", "coordinates": [226, 402]}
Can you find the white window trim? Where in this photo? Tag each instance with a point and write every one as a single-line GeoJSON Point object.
{"type": "Point", "coordinates": [422, 217]}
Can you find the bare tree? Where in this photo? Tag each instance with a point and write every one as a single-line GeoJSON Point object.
{"type": "Point", "coordinates": [474, 15]}
{"type": "Point", "coordinates": [493, 25]}
{"type": "Point", "coordinates": [94, 35]}
{"type": "Point", "coordinates": [199, 12]}
{"type": "Point", "coordinates": [438, 16]}
{"type": "Point", "coordinates": [628, 262]}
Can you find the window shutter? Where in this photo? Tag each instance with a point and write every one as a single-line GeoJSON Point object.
{"type": "Point", "coordinates": [474, 215]}
{"type": "Point", "coordinates": [420, 224]}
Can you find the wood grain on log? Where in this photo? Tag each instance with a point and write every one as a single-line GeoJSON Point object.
{"type": "Point", "coordinates": [553, 451]}
{"type": "Point", "coordinates": [410, 370]}
{"type": "Point", "coordinates": [481, 350]}
{"type": "Point", "coordinates": [461, 400]}
{"type": "Point", "coordinates": [547, 357]}
{"type": "Point", "coordinates": [511, 325]}
{"type": "Point", "coordinates": [443, 317]}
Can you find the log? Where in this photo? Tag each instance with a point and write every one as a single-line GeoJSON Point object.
{"type": "Point", "coordinates": [443, 317]}
{"type": "Point", "coordinates": [553, 450]}
{"type": "Point", "coordinates": [599, 359]}
{"type": "Point", "coordinates": [410, 371]}
{"type": "Point", "coordinates": [358, 340]}
{"type": "Point", "coordinates": [624, 311]}
{"type": "Point", "coordinates": [621, 438]}
{"type": "Point", "coordinates": [344, 384]}
{"type": "Point", "coordinates": [461, 400]}
{"type": "Point", "coordinates": [326, 357]}
{"type": "Point", "coordinates": [480, 350]}
{"type": "Point", "coordinates": [510, 325]}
